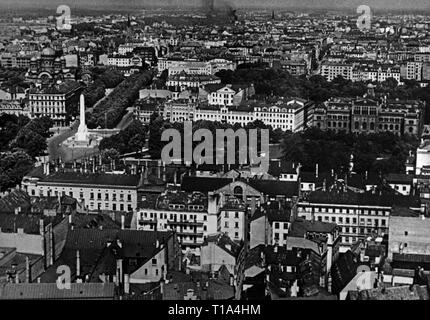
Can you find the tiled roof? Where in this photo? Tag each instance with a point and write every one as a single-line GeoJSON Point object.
{"type": "Point", "coordinates": [15, 199]}
{"type": "Point", "coordinates": [18, 291]}
{"type": "Point", "coordinates": [413, 292]}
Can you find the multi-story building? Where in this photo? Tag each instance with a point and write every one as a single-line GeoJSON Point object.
{"type": "Point", "coordinates": [176, 66]}
{"type": "Point", "coordinates": [358, 214]}
{"type": "Point", "coordinates": [179, 110]}
{"type": "Point", "coordinates": [56, 102]}
{"type": "Point", "coordinates": [285, 115]}
{"type": "Point", "coordinates": [14, 107]}
{"type": "Point", "coordinates": [232, 218]}
{"type": "Point", "coordinates": [183, 81]}
{"type": "Point", "coordinates": [364, 115]}
{"type": "Point", "coordinates": [331, 70]}
{"type": "Point", "coordinates": [97, 191]}
{"type": "Point", "coordinates": [185, 213]}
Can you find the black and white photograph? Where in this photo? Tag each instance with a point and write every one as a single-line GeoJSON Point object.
{"type": "Point", "coordinates": [208, 157]}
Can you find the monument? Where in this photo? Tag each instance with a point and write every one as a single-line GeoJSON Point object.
{"type": "Point", "coordinates": [82, 134]}
{"type": "Point", "coordinates": [83, 138]}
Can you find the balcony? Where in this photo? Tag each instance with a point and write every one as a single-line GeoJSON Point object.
{"type": "Point", "coordinates": [185, 223]}
{"type": "Point", "coordinates": [147, 221]}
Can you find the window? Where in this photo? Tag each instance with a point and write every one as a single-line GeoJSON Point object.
{"type": "Point", "coordinates": [276, 236]}
{"type": "Point", "coordinates": [226, 224]}
{"type": "Point", "coordinates": [236, 225]}
{"type": "Point", "coordinates": [154, 261]}
{"type": "Point", "coordinates": [146, 272]}
{"type": "Point", "coordinates": [406, 233]}
{"type": "Point", "coordinates": [226, 214]}
{"type": "Point", "coordinates": [236, 214]}
{"type": "Point", "coordinates": [276, 225]}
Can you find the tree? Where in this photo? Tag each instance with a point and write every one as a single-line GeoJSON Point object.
{"type": "Point", "coordinates": [13, 167]}
{"type": "Point", "coordinates": [32, 142]}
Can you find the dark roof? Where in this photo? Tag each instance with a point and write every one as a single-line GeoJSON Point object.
{"type": "Point", "coordinates": [203, 184]}
{"type": "Point", "coordinates": [103, 179]}
{"type": "Point", "coordinates": [275, 187]}
{"type": "Point", "coordinates": [365, 198]}
{"type": "Point", "coordinates": [301, 226]}
{"type": "Point", "coordinates": [274, 211]}
{"type": "Point", "coordinates": [15, 199]}
{"type": "Point", "coordinates": [343, 271]}
{"type": "Point", "coordinates": [399, 178]}
{"type": "Point", "coordinates": [29, 223]}
{"type": "Point", "coordinates": [224, 242]}
{"type": "Point", "coordinates": [43, 291]}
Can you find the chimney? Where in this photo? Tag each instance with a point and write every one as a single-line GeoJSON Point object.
{"type": "Point", "coordinates": [127, 283]}
{"type": "Point", "coordinates": [175, 177]}
{"type": "Point", "coordinates": [122, 222]}
{"type": "Point", "coordinates": [329, 252]}
{"type": "Point", "coordinates": [316, 170]}
{"type": "Point", "coordinates": [27, 270]}
{"type": "Point", "coordinates": [70, 218]}
{"type": "Point", "coordinates": [162, 286]}
{"type": "Point", "coordinates": [78, 264]}
{"type": "Point", "coordinates": [157, 243]}
{"type": "Point", "coordinates": [41, 227]}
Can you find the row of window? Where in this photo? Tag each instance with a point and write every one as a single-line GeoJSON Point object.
{"type": "Point", "coordinates": [352, 211]}
{"type": "Point", "coordinates": [353, 221]}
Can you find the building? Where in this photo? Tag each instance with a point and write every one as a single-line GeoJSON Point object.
{"type": "Point", "coordinates": [330, 70]}
{"type": "Point", "coordinates": [59, 102]}
{"type": "Point", "coordinates": [183, 81]}
{"type": "Point", "coordinates": [359, 214]}
{"type": "Point", "coordinates": [97, 191]}
{"type": "Point", "coordinates": [408, 234]}
{"type": "Point", "coordinates": [184, 213]}
{"type": "Point", "coordinates": [365, 115]}
{"type": "Point", "coordinates": [49, 68]}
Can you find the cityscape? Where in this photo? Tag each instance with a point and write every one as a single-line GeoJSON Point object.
{"type": "Point", "coordinates": [214, 150]}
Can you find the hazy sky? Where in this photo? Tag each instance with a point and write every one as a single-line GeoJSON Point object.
{"type": "Point", "coordinates": [377, 4]}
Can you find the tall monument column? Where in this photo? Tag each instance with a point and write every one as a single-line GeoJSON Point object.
{"type": "Point", "coordinates": [82, 134]}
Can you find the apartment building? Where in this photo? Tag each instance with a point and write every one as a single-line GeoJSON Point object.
{"type": "Point", "coordinates": [358, 214]}
{"type": "Point", "coordinates": [55, 102]}
{"type": "Point", "coordinates": [97, 191]}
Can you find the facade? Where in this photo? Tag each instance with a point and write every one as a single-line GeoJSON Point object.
{"type": "Point", "coordinates": [55, 102]}
{"type": "Point", "coordinates": [358, 214]}
{"type": "Point", "coordinates": [364, 115]}
{"type": "Point", "coordinates": [49, 68]}
{"type": "Point", "coordinates": [97, 191]}
{"type": "Point", "coordinates": [175, 210]}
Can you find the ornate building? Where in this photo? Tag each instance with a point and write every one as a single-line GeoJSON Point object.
{"type": "Point", "coordinates": [49, 68]}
